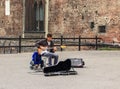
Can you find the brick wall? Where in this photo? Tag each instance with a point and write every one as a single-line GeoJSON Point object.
{"type": "Point", "coordinates": [72, 18]}
{"type": "Point", "coordinates": [11, 25]}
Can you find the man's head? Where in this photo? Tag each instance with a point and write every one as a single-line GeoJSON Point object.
{"type": "Point", "coordinates": [49, 37]}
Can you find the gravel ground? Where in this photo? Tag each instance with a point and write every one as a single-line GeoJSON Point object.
{"type": "Point", "coordinates": [100, 72]}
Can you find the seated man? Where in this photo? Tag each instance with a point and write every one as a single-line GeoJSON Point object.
{"type": "Point", "coordinates": [50, 43]}
{"type": "Point", "coordinates": [43, 52]}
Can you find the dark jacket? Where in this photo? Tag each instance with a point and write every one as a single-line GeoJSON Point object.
{"type": "Point", "coordinates": [50, 47]}
{"type": "Point", "coordinates": [45, 43]}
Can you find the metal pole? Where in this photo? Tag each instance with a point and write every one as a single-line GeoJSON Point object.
{"type": "Point", "coordinates": [96, 43]}
{"type": "Point", "coordinates": [79, 43]}
{"type": "Point", "coordinates": [19, 44]}
{"type": "Point", "coordinates": [61, 42]}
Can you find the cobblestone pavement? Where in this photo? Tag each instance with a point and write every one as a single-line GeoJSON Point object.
{"type": "Point", "coordinates": [102, 71]}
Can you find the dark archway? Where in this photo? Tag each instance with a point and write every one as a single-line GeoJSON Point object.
{"type": "Point", "coordinates": [34, 15]}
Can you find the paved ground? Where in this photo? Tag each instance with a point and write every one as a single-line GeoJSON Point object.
{"type": "Point", "coordinates": [102, 71]}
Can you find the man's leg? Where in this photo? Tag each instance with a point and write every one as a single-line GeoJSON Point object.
{"type": "Point", "coordinates": [42, 64]}
{"type": "Point", "coordinates": [50, 56]}
{"type": "Point", "coordinates": [55, 56]}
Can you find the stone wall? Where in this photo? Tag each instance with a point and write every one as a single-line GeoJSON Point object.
{"type": "Point", "coordinates": [72, 18]}
{"type": "Point", "coordinates": [11, 25]}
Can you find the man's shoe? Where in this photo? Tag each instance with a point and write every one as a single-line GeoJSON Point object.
{"type": "Point", "coordinates": [31, 67]}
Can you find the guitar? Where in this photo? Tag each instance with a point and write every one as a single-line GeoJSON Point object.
{"type": "Point", "coordinates": [52, 49]}
{"type": "Point", "coordinates": [62, 46]}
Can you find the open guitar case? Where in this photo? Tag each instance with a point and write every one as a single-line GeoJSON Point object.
{"type": "Point", "coordinates": [62, 68]}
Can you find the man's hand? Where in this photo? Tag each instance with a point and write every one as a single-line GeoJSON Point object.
{"type": "Point", "coordinates": [55, 48]}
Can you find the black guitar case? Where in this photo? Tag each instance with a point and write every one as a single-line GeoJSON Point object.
{"type": "Point", "coordinates": [62, 68]}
